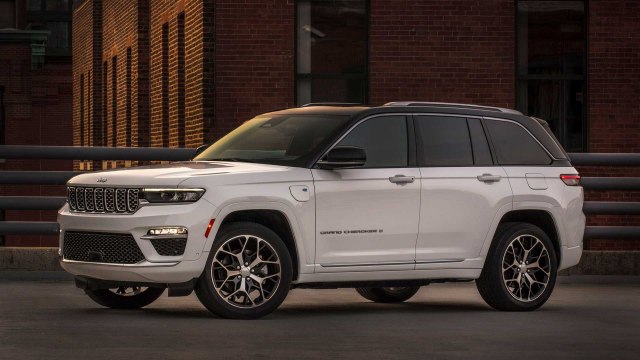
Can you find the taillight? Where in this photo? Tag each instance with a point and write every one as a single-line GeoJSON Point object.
{"type": "Point", "coordinates": [570, 179]}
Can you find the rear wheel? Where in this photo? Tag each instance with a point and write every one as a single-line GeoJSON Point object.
{"type": "Point", "coordinates": [520, 270]}
{"type": "Point", "coordinates": [388, 294]}
{"type": "Point", "coordinates": [125, 297]}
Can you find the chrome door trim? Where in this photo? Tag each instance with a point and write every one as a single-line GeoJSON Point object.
{"type": "Point", "coordinates": [392, 263]}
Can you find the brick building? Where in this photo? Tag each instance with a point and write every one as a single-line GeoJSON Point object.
{"type": "Point", "coordinates": [185, 72]}
{"type": "Point", "coordinates": [35, 95]}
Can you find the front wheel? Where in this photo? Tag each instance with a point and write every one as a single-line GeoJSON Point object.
{"type": "Point", "coordinates": [520, 270]}
{"type": "Point", "coordinates": [248, 272]}
{"type": "Point", "coordinates": [388, 294]}
{"type": "Point", "coordinates": [125, 297]}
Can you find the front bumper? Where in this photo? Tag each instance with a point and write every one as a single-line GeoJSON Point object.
{"type": "Point", "coordinates": [156, 268]}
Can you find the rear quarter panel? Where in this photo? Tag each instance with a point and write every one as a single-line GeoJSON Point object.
{"type": "Point", "coordinates": [563, 202]}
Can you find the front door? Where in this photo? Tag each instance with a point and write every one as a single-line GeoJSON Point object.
{"type": "Point", "coordinates": [367, 217]}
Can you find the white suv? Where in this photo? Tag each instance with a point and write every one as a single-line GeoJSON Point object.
{"type": "Point", "coordinates": [382, 199]}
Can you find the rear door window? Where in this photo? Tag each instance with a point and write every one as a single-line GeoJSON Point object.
{"type": "Point", "coordinates": [443, 141]}
{"type": "Point", "coordinates": [514, 145]}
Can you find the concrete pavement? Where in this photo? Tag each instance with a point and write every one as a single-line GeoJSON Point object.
{"type": "Point", "coordinates": [443, 321]}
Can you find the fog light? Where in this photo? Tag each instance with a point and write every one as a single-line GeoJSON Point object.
{"type": "Point", "coordinates": [168, 231]}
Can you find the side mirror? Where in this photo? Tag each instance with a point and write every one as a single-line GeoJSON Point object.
{"type": "Point", "coordinates": [201, 148]}
{"type": "Point", "coordinates": [343, 157]}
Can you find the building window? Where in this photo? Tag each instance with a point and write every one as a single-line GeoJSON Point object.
{"type": "Point", "coordinates": [128, 99]}
{"type": "Point", "coordinates": [7, 14]}
{"type": "Point", "coordinates": [82, 110]}
{"type": "Point", "coordinates": [89, 111]}
{"type": "Point", "coordinates": [103, 126]}
{"type": "Point", "coordinates": [54, 16]}
{"type": "Point", "coordinates": [165, 85]}
{"type": "Point", "coordinates": [114, 101]}
{"type": "Point", "coordinates": [181, 84]}
{"type": "Point", "coordinates": [332, 51]}
{"type": "Point", "coordinates": [551, 67]}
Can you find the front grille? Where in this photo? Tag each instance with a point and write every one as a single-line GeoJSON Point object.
{"type": "Point", "coordinates": [169, 246]}
{"type": "Point", "coordinates": [103, 200]}
{"type": "Point", "coordinates": [101, 248]}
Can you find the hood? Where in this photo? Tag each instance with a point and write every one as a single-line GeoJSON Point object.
{"type": "Point", "coordinates": [168, 175]}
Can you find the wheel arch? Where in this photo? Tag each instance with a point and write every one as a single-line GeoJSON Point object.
{"type": "Point", "coordinates": [540, 218]}
{"type": "Point", "coordinates": [275, 220]}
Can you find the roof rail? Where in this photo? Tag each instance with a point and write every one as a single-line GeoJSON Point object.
{"type": "Point", "coordinates": [330, 104]}
{"type": "Point", "coordinates": [453, 106]}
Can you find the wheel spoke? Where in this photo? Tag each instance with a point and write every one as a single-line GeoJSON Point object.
{"type": "Point", "coordinates": [228, 268]}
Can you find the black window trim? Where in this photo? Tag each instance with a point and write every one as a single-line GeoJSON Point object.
{"type": "Point", "coordinates": [411, 141]}
{"type": "Point", "coordinates": [553, 160]}
{"type": "Point", "coordinates": [494, 160]}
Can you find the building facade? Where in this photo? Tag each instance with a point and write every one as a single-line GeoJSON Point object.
{"type": "Point", "coordinates": [35, 97]}
{"type": "Point", "coordinates": [185, 72]}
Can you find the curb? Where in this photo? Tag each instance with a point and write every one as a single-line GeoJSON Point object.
{"type": "Point", "coordinates": [606, 263]}
{"type": "Point", "coordinates": [29, 259]}
{"type": "Point", "coordinates": [47, 276]}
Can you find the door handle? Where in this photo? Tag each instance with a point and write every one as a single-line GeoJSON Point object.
{"type": "Point", "coordinates": [489, 177]}
{"type": "Point", "coordinates": [401, 179]}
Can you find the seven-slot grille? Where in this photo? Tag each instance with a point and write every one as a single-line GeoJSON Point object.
{"type": "Point", "coordinates": [101, 248]}
{"type": "Point", "coordinates": [103, 200]}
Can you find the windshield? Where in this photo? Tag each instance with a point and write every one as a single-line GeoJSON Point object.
{"type": "Point", "coordinates": [289, 140]}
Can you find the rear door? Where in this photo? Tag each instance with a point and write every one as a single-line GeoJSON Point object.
{"type": "Point", "coordinates": [462, 188]}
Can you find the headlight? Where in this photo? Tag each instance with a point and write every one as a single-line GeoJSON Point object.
{"type": "Point", "coordinates": [172, 195]}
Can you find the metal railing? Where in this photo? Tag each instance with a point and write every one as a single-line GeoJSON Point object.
{"type": "Point", "coordinates": [178, 154]}
{"type": "Point", "coordinates": [609, 183]}
{"type": "Point", "coordinates": [61, 177]}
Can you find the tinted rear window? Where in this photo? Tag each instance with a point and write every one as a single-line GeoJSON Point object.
{"type": "Point", "coordinates": [444, 141]}
{"type": "Point", "coordinates": [514, 145]}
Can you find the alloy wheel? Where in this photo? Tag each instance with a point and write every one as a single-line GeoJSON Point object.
{"type": "Point", "coordinates": [246, 271]}
{"type": "Point", "coordinates": [526, 268]}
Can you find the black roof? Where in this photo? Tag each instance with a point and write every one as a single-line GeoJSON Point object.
{"type": "Point", "coordinates": [534, 126]}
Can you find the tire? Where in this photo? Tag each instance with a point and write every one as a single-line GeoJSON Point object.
{"type": "Point", "coordinates": [388, 294]}
{"type": "Point", "coordinates": [125, 297]}
{"type": "Point", "coordinates": [520, 270]}
{"type": "Point", "coordinates": [253, 287]}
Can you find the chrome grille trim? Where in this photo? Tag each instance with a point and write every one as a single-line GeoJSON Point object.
{"type": "Point", "coordinates": [112, 200]}
{"type": "Point", "coordinates": [89, 199]}
{"type": "Point", "coordinates": [121, 200]}
{"type": "Point", "coordinates": [99, 195]}
{"type": "Point", "coordinates": [71, 197]}
{"type": "Point", "coordinates": [133, 200]}
{"type": "Point", "coordinates": [109, 200]}
{"type": "Point", "coordinates": [80, 199]}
